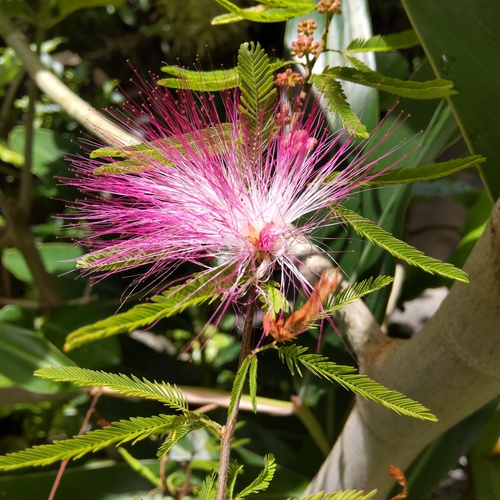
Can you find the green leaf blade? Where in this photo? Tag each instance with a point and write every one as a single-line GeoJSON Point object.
{"type": "Point", "coordinates": [384, 43]}
{"type": "Point", "coordinates": [252, 382]}
{"type": "Point", "coordinates": [264, 13]}
{"type": "Point", "coordinates": [406, 175]}
{"type": "Point", "coordinates": [202, 81]}
{"type": "Point", "coordinates": [363, 75]}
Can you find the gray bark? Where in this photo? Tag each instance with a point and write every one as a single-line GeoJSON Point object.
{"type": "Point", "coordinates": [451, 366]}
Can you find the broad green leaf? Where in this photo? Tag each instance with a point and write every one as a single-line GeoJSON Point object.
{"type": "Point", "coordinates": [363, 75]}
{"type": "Point", "coordinates": [341, 495]}
{"type": "Point", "coordinates": [355, 291]}
{"type": "Point", "coordinates": [167, 394]}
{"type": "Point", "coordinates": [361, 385]}
{"type": "Point", "coordinates": [405, 175]}
{"type": "Point", "coordinates": [258, 96]}
{"type": "Point", "coordinates": [205, 81]}
{"type": "Point", "coordinates": [117, 433]}
{"type": "Point", "coordinates": [203, 287]}
{"type": "Point", "coordinates": [270, 13]}
{"type": "Point", "coordinates": [384, 43]}
{"type": "Point", "coordinates": [57, 258]}
{"type": "Point", "coordinates": [8, 155]}
{"type": "Point", "coordinates": [470, 63]}
{"type": "Point", "coordinates": [398, 248]}
{"type": "Point", "coordinates": [252, 382]}
{"type": "Point", "coordinates": [22, 352]}
{"type": "Point", "coordinates": [337, 103]}
{"type": "Point", "coordinates": [46, 150]}
{"type": "Point", "coordinates": [260, 483]}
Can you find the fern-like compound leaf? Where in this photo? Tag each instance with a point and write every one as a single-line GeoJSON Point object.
{"type": "Point", "coordinates": [258, 97]}
{"type": "Point", "coordinates": [336, 100]}
{"type": "Point", "coordinates": [398, 248]}
{"type": "Point", "coordinates": [203, 287]}
{"type": "Point", "coordinates": [117, 433]}
{"type": "Point", "coordinates": [347, 377]}
{"type": "Point", "coordinates": [260, 483]}
{"type": "Point", "coordinates": [355, 291]}
{"type": "Point", "coordinates": [165, 393]}
{"type": "Point", "coordinates": [341, 495]}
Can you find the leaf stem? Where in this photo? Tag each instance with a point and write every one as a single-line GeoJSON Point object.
{"type": "Point", "coordinates": [227, 435]}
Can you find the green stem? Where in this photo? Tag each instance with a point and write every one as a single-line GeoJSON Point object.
{"type": "Point", "coordinates": [228, 434]}
{"type": "Point", "coordinates": [138, 467]}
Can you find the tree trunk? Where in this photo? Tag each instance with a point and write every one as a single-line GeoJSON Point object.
{"type": "Point", "coordinates": [451, 366]}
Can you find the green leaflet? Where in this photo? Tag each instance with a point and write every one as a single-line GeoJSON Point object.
{"type": "Point", "coordinates": [237, 389]}
{"type": "Point", "coordinates": [384, 43]}
{"type": "Point", "coordinates": [398, 248]}
{"type": "Point", "coordinates": [258, 96]}
{"type": "Point", "coordinates": [272, 11]}
{"type": "Point", "coordinates": [234, 470]}
{"type": "Point", "coordinates": [355, 291]}
{"type": "Point", "coordinates": [90, 260]}
{"type": "Point", "coordinates": [212, 140]}
{"type": "Point", "coordinates": [404, 175]}
{"type": "Point", "coordinates": [203, 287]}
{"type": "Point", "coordinates": [363, 75]}
{"type": "Point", "coordinates": [208, 487]}
{"type": "Point", "coordinates": [262, 481]}
{"type": "Point", "coordinates": [337, 103]}
{"type": "Point", "coordinates": [117, 433]}
{"type": "Point", "coordinates": [165, 393]}
{"type": "Point", "coordinates": [294, 356]}
{"type": "Point", "coordinates": [205, 81]}
{"type": "Point", "coordinates": [185, 425]}
{"type": "Point", "coordinates": [341, 495]}
{"type": "Point", "coordinates": [252, 382]}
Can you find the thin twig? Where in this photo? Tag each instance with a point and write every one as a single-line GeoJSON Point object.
{"type": "Point", "coordinates": [64, 463]}
{"type": "Point", "coordinates": [227, 436]}
{"type": "Point", "coordinates": [72, 104]}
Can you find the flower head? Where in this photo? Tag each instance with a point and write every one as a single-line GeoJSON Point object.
{"type": "Point", "coordinates": [201, 190]}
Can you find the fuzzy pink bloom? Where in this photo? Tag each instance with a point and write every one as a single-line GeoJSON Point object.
{"type": "Point", "coordinates": [211, 196]}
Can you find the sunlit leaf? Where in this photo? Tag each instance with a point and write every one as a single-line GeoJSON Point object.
{"type": "Point", "coordinates": [383, 43]}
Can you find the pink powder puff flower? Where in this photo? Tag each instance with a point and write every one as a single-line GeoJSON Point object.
{"type": "Point", "coordinates": [203, 193]}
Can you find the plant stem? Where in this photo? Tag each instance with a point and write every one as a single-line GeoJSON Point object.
{"type": "Point", "coordinates": [227, 436]}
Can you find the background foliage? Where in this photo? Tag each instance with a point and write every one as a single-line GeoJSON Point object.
{"type": "Point", "coordinates": [41, 302]}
